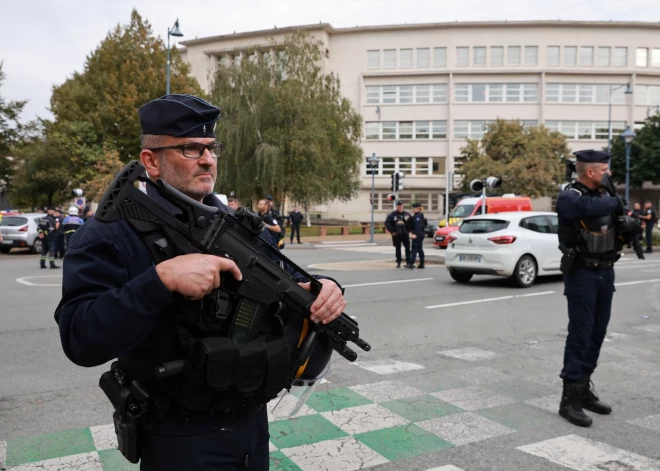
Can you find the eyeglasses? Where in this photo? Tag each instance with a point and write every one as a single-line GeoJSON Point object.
{"type": "Point", "coordinates": [194, 150]}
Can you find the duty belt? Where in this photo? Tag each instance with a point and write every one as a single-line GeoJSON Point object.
{"type": "Point", "coordinates": [594, 263]}
{"type": "Point", "coordinates": [165, 409]}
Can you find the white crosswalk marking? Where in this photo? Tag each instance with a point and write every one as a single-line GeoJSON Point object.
{"type": "Point", "coordinates": [448, 467]}
{"type": "Point", "coordinates": [3, 454]}
{"type": "Point", "coordinates": [104, 437]}
{"type": "Point", "coordinates": [581, 454]}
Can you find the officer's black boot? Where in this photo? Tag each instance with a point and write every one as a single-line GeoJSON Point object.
{"type": "Point", "coordinates": [52, 264]}
{"type": "Point", "coordinates": [589, 399]}
{"type": "Point", "coordinates": [409, 265]}
{"type": "Point", "coordinates": [570, 407]}
{"type": "Point", "coordinates": [398, 264]}
{"type": "Point", "coordinates": [43, 263]}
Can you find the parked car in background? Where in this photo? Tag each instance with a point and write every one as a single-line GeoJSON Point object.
{"type": "Point", "coordinates": [522, 245]}
{"type": "Point", "coordinates": [431, 227]}
{"type": "Point", "coordinates": [20, 230]}
{"type": "Point", "coordinates": [472, 206]}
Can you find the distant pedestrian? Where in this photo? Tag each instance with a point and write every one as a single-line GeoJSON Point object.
{"type": "Point", "coordinates": [417, 223]}
{"type": "Point", "coordinates": [233, 203]}
{"type": "Point", "coordinates": [70, 225]}
{"type": "Point", "coordinates": [637, 213]}
{"type": "Point", "coordinates": [650, 217]}
{"type": "Point", "coordinates": [295, 219]}
{"type": "Point", "coordinates": [397, 225]}
{"type": "Point", "coordinates": [59, 234]}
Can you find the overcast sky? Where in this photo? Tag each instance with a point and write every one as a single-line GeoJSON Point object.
{"type": "Point", "coordinates": [45, 41]}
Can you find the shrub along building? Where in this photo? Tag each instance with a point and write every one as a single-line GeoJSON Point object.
{"type": "Point", "coordinates": [423, 89]}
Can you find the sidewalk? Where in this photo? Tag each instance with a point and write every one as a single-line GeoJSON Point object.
{"type": "Point", "coordinates": [346, 238]}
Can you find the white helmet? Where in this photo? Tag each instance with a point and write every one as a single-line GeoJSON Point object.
{"type": "Point", "coordinates": [73, 211]}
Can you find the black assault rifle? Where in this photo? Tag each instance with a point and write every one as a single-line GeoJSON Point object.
{"type": "Point", "coordinates": [206, 229]}
{"type": "Point", "coordinates": [627, 227]}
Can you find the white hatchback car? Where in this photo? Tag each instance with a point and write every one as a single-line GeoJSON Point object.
{"type": "Point", "coordinates": [520, 245]}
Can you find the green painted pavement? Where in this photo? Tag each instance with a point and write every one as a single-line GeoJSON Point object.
{"type": "Point", "coordinates": [402, 442]}
{"type": "Point", "coordinates": [303, 431]}
{"type": "Point", "coordinates": [113, 460]}
{"type": "Point", "coordinates": [336, 399]}
{"type": "Point", "coordinates": [279, 462]}
{"type": "Point", "coordinates": [51, 445]}
{"type": "Point", "coordinates": [416, 409]}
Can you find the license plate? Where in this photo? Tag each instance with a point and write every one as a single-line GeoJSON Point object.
{"type": "Point", "coordinates": [439, 239]}
{"type": "Point", "coordinates": [6, 242]}
{"type": "Point", "coordinates": [469, 258]}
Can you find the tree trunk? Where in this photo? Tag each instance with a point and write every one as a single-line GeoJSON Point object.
{"type": "Point", "coordinates": [307, 220]}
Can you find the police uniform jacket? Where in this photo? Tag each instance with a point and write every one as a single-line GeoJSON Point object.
{"type": "Point", "coordinates": [417, 223]}
{"type": "Point", "coordinates": [578, 205]}
{"type": "Point", "coordinates": [393, 218]}
{"type": "Point", "coordinates": [113, 302]}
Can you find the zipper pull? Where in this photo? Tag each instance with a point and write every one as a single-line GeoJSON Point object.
{"type": "Point", "coordinates": [246, 461]}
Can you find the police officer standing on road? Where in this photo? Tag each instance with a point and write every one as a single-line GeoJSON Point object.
{"type": "Point", "coordinates": [588, 238]}
{"type": "Point", "coordinates": [650, 217]}
{"type": "Point", "coordinates": [70, 225]}
{"type": "Point", "coordinates": [47, 231]}
{"type": "Point", "coordinates": [397, 223]}
{"type": "Point", "coordinates": [417, 224]}
{"type": "Point", "coordinates": [295, 219]}
{"type": "Point", "coordinates": [117, 303]}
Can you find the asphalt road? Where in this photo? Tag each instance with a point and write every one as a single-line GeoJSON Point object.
{"type": "Point", "coordinates": [406, 315]}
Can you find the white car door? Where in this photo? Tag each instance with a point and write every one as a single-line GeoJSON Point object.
{"type": "Point", "coordinates": [543, 241]}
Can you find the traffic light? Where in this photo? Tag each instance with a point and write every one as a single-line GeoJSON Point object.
{"type": "Point", "coordinates": [391, 197]}
{"type": "Point", "coordinates": [397, 181]}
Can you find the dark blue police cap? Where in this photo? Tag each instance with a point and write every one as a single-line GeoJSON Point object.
{"type": "Point", "coordinates": [179, 116]}
{"type": "Point", "coordinates": [399, 202]}
{"type": "Point", "coordinates": [592, 156]}
{"type": "Point", "coordinates": [416, 205]}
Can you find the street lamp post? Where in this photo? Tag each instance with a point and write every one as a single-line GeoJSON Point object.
{"type": "Point", "coordinates": [628, 136]}
{"type": "Point", "coordinates": [171, 32]}
{"type": "Point", "coordinates": [609, 116]}
{"type": "Point", "coordinates": [373, 163]}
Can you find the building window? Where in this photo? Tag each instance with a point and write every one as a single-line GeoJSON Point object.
{"type": "Point", "coordinates": [438, 166]}
{"type": "Point", "coordinates": [583, 93]}
{"type": "Point", "coordinates": [586, 93]}
{"type": "Point", "coordinates": [531, 55]}
{"type": "Point", "coordinates": [462, 56]}
{"type": "Point", "coordinates": [496, 56]}
{"type": "Point", "coordinates": [642, 57]}
{"type": "Point", "coordinates": [585, 130]}
{"type": "Point", "coordinates": [603, 59]}
{"type": "Point", "coordinates": [552, 92]}
{"type": "Point", "coordinates": [373, 95]}
{"type": "Point", "coordinates": [389, 59]}
{"type": "Point", "coordinates": [478, 92]}
{"type": "Point", "coordinates": [439, 93]}
{"type": "Point", "coordinates": [648, 95]}
{"type": "Point", "coordinates": [462, 92]}
{"type": "Point", "coordinates": [421, 166]}
{"type": "Point", "coordinates": [479, 56]}
{"type": "Point", "coordinates": [439, 57]}
{"type": "Point", "coordinates": [389, 165]}
{"type": "Point", "coordinates": [373, 59]}
{"type": "Point", "coordinates": [513, 56]}
{"type": "Point", "coordinates": [655, 57]}
{"type": "Point", "coordinates": [620, 56]}
{"type": "Point", "coordinates": [469, 129]}
{"type": "Point", "coordinates": [372, 130]}
{"type": "Point", "coordinates": [495, 92]}
{"type": "Point", "coordinates": [570, 56]}
{"type": "Point", "coordinates": [439, 129]}
{"type": "Point", "coordinates": [423, 57]}
{"type": "Point", "coordinates": [586, 56]}
{"type": "Point", "coordinates": [552, 55]}
{"type": "Point", "coordinates": [405, 130]}
{"type": "Point", "coordinates": [405, 165]}
{"type": "Point", "coordinates": [405, 94]}
{"type": "Point", "coordinates": [406, 58]}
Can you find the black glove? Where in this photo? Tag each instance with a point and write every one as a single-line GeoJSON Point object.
{"type": "Point", "coordinates": [250, 220]}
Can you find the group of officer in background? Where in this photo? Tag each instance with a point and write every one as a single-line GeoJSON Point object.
{"type": "Point", "coordinates": [403, 227]}
{"type": "Point", "coordinates": [55, 230]}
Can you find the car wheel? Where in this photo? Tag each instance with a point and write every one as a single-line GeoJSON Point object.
{"type": "Point", "coordinates": [461, 277]}
{"type": "Point", "coordinates": [36, 246]}
{"type": "Point", "coordinates": [5, 249]}
{"type": "Point", "coordinates": [524, 275]}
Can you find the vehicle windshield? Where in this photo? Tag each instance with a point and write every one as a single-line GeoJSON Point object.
{"type": "Point", "coordinates": [462, 211]}
{"type": "Point", "coordinates": [482, 226]}
{"type": "Point", "coordinates": [13, 221]}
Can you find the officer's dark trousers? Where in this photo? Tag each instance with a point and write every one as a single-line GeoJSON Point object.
{"type": "Point", "coordinates": [417, 248]}
{"type": "Point", "coordinates": [649, 236]}
{"type": "Point", "coordinates": [218, 445]}
{"type": "Point", "coordinates": [589, 295]}
{"type": "Point", "coordinates": [397, 241]}
{"type": "Point", "coordinates": [295, 230]}
{"type": "Point", "coordinates": [48, 248]}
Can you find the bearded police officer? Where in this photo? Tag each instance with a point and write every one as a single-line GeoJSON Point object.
{"type": "Point", "coordinates": [417, 224]}
{"type": "Point", "coordinates": [397, 223]}
{"type": "Point", "coordinates": [117, 303]}
{"type": "Point", "coordinates": [588, 240]}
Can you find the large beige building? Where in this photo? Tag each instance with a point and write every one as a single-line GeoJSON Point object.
{"type": "Point", "coordinates": [423, 89]}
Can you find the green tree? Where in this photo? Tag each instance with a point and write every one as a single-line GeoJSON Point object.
{"type": "Point", "coordinates": [644, 156]}
{"type": "Point", "coordinates": [10, 135]}
{"type": "Point", "coordinates": [530, 161]}
{"type": "Point", "coordinates": [96, 109]}
{"type": "Point", "coordinates": [286, 128]}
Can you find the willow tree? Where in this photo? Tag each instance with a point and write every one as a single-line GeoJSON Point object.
{"type": "Point", "coordinates": [530, 161]}
{"type": "Point", "coordinates": [286, 128]}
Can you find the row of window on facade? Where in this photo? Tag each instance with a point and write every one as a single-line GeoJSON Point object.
{"type": "Point", "coordinates": [583, 93]}
{"type": "Point", "coordinates": [511, 56]}
{"type": "Point", "coordinates": [429, 201]}
{"type": "Point", "coordinates": [474, 129]}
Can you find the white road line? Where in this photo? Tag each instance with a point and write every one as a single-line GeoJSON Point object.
{"type": "Point", "coordinates": [24, 281]}
{"type": "Point", "coordinates": [640, 282]}
{"type": "Point", "coordinates": [474, 301]}
{"type": "Point", "coordinates": [386, 282]}
{"type": "Point", "coordinates": [339, 242]}
{"type": "Point", "coordinates": [541, 293]}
